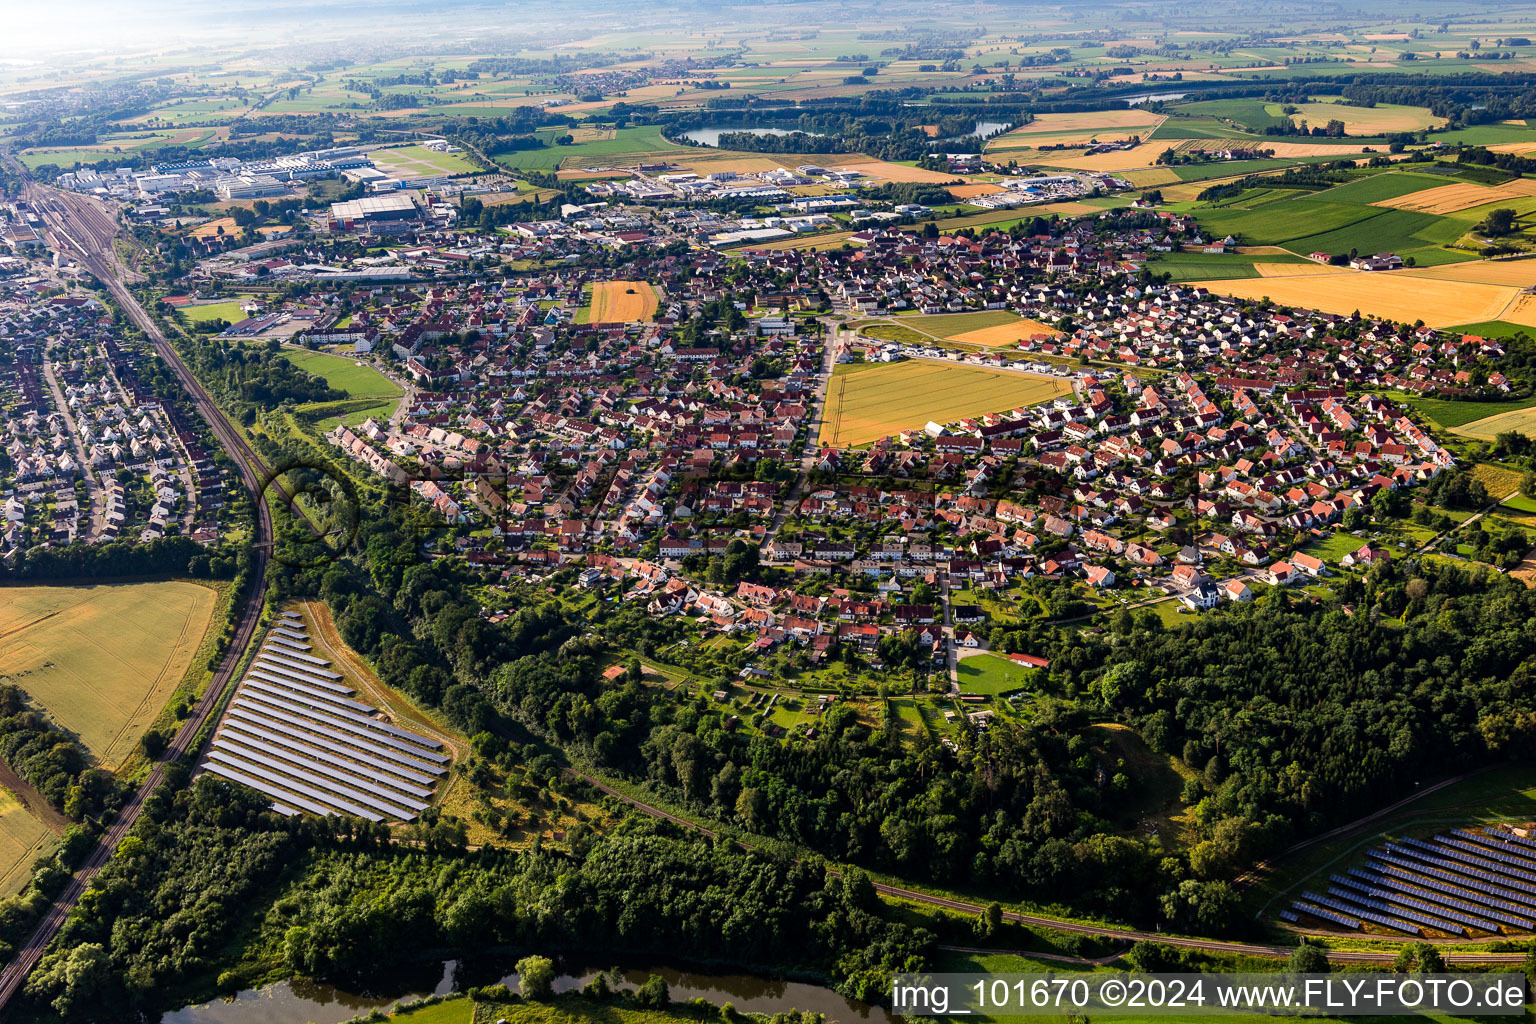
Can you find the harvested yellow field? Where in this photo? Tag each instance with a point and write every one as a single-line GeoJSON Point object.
{"type": "Point", "coordinates": [1152, 176]}
{"type": "Point", "coordinates": [1273, 270]}
{"type": "Point", "coordinates": [884, 170]}
{"type": "Point", "coordinates": [739, 164]}
{"type": "Point", "coordinates": [1455, 198]}
{"type": "Point", "coordinates": [1288, 150]}
{"type": "Point", "coordinates": [1376, 120]}
{"type": "Point", "coordinates": [1144, 155]}
{"type": "Point", "coordinates": [832, 240]}
{"type": "Point", "coordinates": [1104, 125]}
{"type": "Point", "coordinates": [1521, 311]}
{"type": "Point", "coordinates": [1521, 421]}
{"type": "Point", "coordinates": [1519, 273]}
{"type": "Point", "coordinates": [972, 191]}
{"type": "Point", "coordinates": [622, 302]}
{"type": "Point", "coordinates": [209, 229]}
{"type": "Point", "coordinates": [872, 402]}
{"type": "Point", "coordinates": [1437, 303]}
{"type": "Point", "coordinates": [102, 660]}
{"type": "Point", "coordinates": [23, 838]}
{"type": "Point", "coordinates": [1005, 334]}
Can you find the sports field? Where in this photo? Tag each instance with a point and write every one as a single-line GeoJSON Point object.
{"type": "Point", "coordinates": [622, 302]}
{"type": "Point", "coordinates": [102, 660]}
{"type": "Point", "coordinates": [866, 403]}
{"type": "Point", "coordinates": [356, 378]}
{"type": "Point", "coordinates": [1437, 303]}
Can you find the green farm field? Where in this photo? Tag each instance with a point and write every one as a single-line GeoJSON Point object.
{"type": "Point", "coordinates": [102, 660]}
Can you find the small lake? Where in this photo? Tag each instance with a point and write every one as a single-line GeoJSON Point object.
{"type": "Point", "coordinates": [987, 129]}
{"type": "Point", "coordinates": [710, 135]}
{"type": "Point", "coordinates": [1153, 97]}
{"type": "Point", "coordinates": [302, 1002]}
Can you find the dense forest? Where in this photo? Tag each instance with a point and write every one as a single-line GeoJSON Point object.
{"type": "Point", "coordinates": [333, 898]}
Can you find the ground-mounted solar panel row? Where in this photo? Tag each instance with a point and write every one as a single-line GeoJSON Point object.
{"type": "Point", "coordinates": [1433, 880]}
{"type": "Point", "coordinates": [296, 733]}
{"type": "Point", "coordinates": [1454, 872]}
{"type": "Point", "coordinates": [1324, 914]}
{"type": "Point", "coordinates": [1465, 882]}
{"type": "Point", "coordinates": [1433, 892]}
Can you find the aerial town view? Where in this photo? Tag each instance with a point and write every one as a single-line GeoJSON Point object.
{"type": "Point", "coordinates": [673, 513]}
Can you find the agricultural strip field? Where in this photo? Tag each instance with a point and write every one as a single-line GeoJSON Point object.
{"type": "Point", "coordinates": [886, 170]}
{"type": "Point", "coordinates": [102, 660]}
{"type": "Point", "coordinates": [1519, 273]}
{"type": "Point", "coordinates": [622, 302]}
{"type": "Point", "coordinates": [1522, 421]}
{"type": "Point", "coordinates": [870, 402]}
{"type": "Point", "coordinates": [1457, 197]}
{"type": "Point", "coordinates": [1198, 266]}
{"type": "Point", "coordinates": [1377, 120]}
{"type": "Point", "coordinates": [1438, 303]}
{"type": "Point", "coordinates": [1391, 189]}
{"type": "Point", "coordinates": [1005, 334]}
{"type": "Point", "coordinates": [1078, 129]}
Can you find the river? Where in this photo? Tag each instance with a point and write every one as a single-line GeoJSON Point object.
{"type": "Point", "coordinates": [303, 1002]}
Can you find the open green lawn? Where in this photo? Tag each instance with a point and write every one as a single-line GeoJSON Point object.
{"type": "Point", "coordinates": [454, 1010]}
{"type": "Point", "coordinates": [1333, 548]}
{"type": "Point", "coordinates": [990, 674]}
{"type": "Point", "coordinates": [358, 379]}
{"type": "Point", "coordinates": [229, 311]}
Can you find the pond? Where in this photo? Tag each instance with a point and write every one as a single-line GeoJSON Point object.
{"type": "Point", "coordinates": [1153, 97]}
{"type": "Point", "coordinates": [710, 134]}
{"type": "Point", "coordinates": [305, 1002]}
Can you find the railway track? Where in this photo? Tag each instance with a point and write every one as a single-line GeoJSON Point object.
{"type": "Point", "coordinates": [83, 228]}
{"type": "Point", "coordinates": [1127, 935]}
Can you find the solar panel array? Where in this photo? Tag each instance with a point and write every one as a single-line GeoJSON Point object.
{"type": "Point", "coordinates": [295, 732]}
{"type": "Point", "coordinates": [1464, 882]}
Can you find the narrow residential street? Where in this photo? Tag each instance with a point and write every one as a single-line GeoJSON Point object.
{"type": "Point", "coordinates": [93, 488]}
